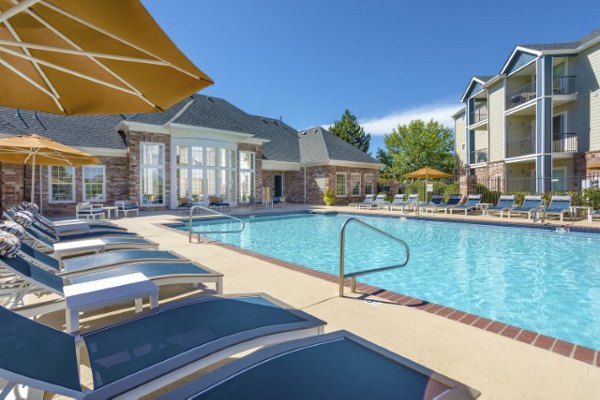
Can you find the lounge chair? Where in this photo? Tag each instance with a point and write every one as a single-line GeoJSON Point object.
{"type": "Point", "coordinates": [337, 365]}
{"type": "Point", "coordinates": [412, 202]}
{"type": "Point", "coordinates": [139, 356]}
{"type": "Point", "coordinates": [98, 262]}
{"type": "Point", "coordinates": [89, 210]}
{"type": "Point", "coordinates": [126, 207]}
{"type": "Point", "coordinates": [365, 203]}
{"type": "Point", "coordinates": [559, 205]}
{"type": "Point", "coordinates": [435, 201]}
{"type": "Point", "coordinates": [38, 278]}
{"type": "Point", "coordinates": [278, 201]}
{"type": "Point", "coordinates": [67, 226]}
{"type": "Point", "coordinates": [380, 202]}
{"type": "Point", "coordinates": [531, 205]}
{"type": "Point", "coordinates": [471, 203]}
{"type": "Point", "coordinates": [505, 203]}
{"type": "Point", "coordinates": [218, 203]}
{"type": "Point", "coordinates": [453, 201]}
{"type": "Point", "coordinates": [398, 202]}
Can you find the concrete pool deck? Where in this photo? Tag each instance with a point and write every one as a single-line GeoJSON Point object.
{"type": "Point", "coordinates": [499, 367]}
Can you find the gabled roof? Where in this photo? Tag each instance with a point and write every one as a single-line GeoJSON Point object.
{"type": "Point", "coordinates": [567, 46]}
{"type": "Point", "coordinates": [81, 131]}
{"type": "Point", "coordinates": [471, 87]}
{"type": "Point", "coordinates": [320, 145]}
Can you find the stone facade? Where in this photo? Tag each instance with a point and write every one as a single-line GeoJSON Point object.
{"type": "Point", "coordinates": [12, 184]}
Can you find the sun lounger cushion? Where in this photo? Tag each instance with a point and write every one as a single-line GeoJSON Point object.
{"type": "Point", "coordinates": [9, 245]}
{"type": "Point", "coordinates": [13, 228]}
{"type": "Point", "coordinates": [23, 218]}
{"type": "Point", "coordinates": [27, 206]}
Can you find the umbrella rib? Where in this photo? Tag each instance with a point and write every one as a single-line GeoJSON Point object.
{"type": "Point", "coordinates": [67, 70]}
{"type": "Point", "coordinates": [76, 46]}
{"type": "Point", "coordinates": [17, 8]}
{"type": "Point", "coordinates": [36, 66]}
{"type": "Point", "coordinates": [83, 22]}
{"type": "Point", "coordinates": [26, 78]}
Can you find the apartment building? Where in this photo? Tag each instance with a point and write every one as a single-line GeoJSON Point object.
{"type": "Point", "coordinates": [534, 126]}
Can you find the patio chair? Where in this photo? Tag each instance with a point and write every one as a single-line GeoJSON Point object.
{"type": "Point", "coordinates": [66, 226]}
{"type": "Point", "coordinates": [97, 262]}
{"type": "Point", "coordinates": [559, 205]}
{"type": "Point", "coordinates": [531, 205]}
{"type": "Point", "coordinates": [380, 202]}
{"type": "Point", "coordinates": [89, 210]}
{"type": "Point", "coordinates": [160, 346]}
{"type": "Point", "coordinates": [453, 201]}
{"type": "Point", "coordinates": [279, 201]}
{"type": "Point", "coordinates": [471, 203]}
{"type": "Point", "coordinates": [217, 202]}
{"type": "Point", "coordinates": [126, 207]}
{"type": "Point", "coordinates": [435, 201]}
{"type": "Point", "coordinates": [280, 372]}
{"type": "Point", "coordinates": [366, 202]}
{"type": "Point", "coordinates": [412, 202]}
{"type": "Point", "coordinates": [398, 202]}
{"type": "Point", "coordinates": [505, 203]}
{"type": "Point", "coordinates": [37, 278]}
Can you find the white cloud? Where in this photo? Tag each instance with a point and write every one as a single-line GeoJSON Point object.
{"type": "Point", "coordinates": [441, 112]}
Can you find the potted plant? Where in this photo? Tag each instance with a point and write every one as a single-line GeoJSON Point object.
{"type": "Point", "coordinates": [329, 197]}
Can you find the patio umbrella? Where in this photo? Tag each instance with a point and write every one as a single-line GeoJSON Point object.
{"type": "Point", "coordinates": [594, 166]}
{"type": "Point", "coordinates": [90, 57]}
{"type": "Point", "coordinates": [37, 150]}
{"type": "Point", "coordinates": [427, 173]}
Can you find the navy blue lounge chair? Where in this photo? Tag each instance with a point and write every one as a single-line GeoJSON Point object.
{"type": "Point", "coordinates": [505, 203]}
{"type": "Point", "coordinates": [398, 202]}
{"type": "Point", "coordinates": [471, 203]}
{"type": "Point", "coordinates": [218, 203]}
{"type": "Point", "coordinates": [435, 201]}
{"type": "Point", "coordinates": [453, 201]}
{"type": "Point", "coordinates": [559, 205]}
{"type": "Point", "coordinates": [139, 356]}
{"type": "Point", "coordinates": [531, 205]}
{"type": "Point", "coordinates": [333, 366]}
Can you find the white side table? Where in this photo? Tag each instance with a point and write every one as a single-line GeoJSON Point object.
{"type": "Point", "coordinates": [62, 249]}
{"type": "Point", "coordinates": [106, 292]}
{"type": "Point", "coordinates": [109, 209]}
{"type": "Point", "coordinates": [588, 210]}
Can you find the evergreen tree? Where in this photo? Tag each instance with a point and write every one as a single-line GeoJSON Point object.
{"type": "Point", "coordinates": [348, 129]}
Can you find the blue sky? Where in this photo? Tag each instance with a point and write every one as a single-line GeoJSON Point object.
{"type": "Point", "coordinates": [387, 61]}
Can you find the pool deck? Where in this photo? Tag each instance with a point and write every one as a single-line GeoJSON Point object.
{"type": "Point", "coordinates": [498, 366]}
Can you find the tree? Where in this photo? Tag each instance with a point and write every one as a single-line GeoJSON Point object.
{"type": "Point", "coordinates": [416, 145]}
{"type": "Point", "coordinates": [348, 129]}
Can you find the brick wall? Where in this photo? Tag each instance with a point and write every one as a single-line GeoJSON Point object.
{"type": "Point", "coordinates": [11, 182]}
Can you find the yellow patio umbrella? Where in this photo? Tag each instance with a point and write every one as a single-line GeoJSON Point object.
{"type": "Point", "coordinates": [427, 173]}
{"type": "Point", "coordinates": [37, 150]}
{"type": "Point", "coordinates": [90, 57]}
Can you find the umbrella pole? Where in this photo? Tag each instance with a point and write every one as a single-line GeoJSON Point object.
{"type": "Point", "coordinates": [33, 179]}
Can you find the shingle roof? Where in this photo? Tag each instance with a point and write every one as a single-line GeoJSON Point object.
{"type": "Point", "coordinates": [566, 45]}
{"type": "Point", "coordinates": [83, 131]}
{"type": "Point", "coordinates": [320, 145]}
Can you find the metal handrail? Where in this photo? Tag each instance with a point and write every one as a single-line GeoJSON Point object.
{"type": "Point", "coordinates": [353, 275]}
{"type": "Point", "coordinates": [194, 207]}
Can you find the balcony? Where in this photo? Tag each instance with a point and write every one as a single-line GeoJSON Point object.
{"type": "Point", "coordinates": [479, 114]}
{"type": "Point", "coordinates": [564, 143]}
{"type": "Point", "coordinates": [520, 147]}
{"type": "Point", "coordinates": [478, 156]}
{"type": "Point", "coordinates": [521, 96]}
{"type": "Point", "coordinates": [563, 85]}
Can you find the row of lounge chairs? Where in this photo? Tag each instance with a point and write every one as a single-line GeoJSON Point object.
{"type": "Point", "coordinates": [157, 347]}
{"type": "Point", "coordinates": [559, 206]}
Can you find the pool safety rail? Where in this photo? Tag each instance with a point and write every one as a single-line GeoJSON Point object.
{"type": "Point", "coordinates": [210, 210]}
{"type": "Point", "coordinates": [353, 275]}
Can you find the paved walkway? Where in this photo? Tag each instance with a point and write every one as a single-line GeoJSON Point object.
{"type": "Point", "coordinates": [500, 368]}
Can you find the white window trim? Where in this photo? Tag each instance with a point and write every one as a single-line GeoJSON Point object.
{"type": "Point", "coordinates": [252, 170]}
{"type": "Point", "coordinates": [372, 184]}
{"type": "Point", "coordinates": [164, 176]}
{"type": "Point", "coordinates": [73, 185]}
{"type": "Point", "coordinates": [359, 185]}
{"type": "Point", "coordinates": [83, 192]}
{"type": "Point", "coordinates": [345, 184]}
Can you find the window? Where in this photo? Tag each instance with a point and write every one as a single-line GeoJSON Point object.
{"type": "Point", "coordinates": [152, 171]}
{"type": "Point", "coordinates": [369, 184]}
{"type": "Point", "coordinates": [340, 184]}
{"type": "Point", "coordinates": [62, 184]}
{"type": "Point", "coordinates": [247, 176]}
{"type": "Point", "coordinates": [355, 184]}
{"type": "Point", "coordinates": [94, 183]}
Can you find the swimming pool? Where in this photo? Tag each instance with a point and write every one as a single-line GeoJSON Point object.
{"type": "Point", "coordinates": [535, 279]}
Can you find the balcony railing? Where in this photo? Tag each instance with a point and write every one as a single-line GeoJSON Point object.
{"type": "Point", "coordinates": [479, 114]}
{"type": "Point", "coordinates": [563, 85]}
{"type": "Point", "coordinates": [478, 156]}
{"type": "Point", "coordinates": [520, 147]}
{"type": "Point", "coordinates": [521, 95]}
{"type": "Point", "coordinates": [564, 143]}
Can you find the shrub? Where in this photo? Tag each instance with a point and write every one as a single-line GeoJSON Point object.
{"type": "Point", "coordinates": [591, 198]}
{"type": "Point", "coordinates": [329, 197]}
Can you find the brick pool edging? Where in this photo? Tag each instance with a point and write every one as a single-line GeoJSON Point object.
{"type": "Point", "coordinates": [558, 346]}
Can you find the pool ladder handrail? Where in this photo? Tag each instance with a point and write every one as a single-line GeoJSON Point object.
{"type": "Point", "coordinates": [353, 275]}
{"type": "Point", "coordinates": [210, 210]}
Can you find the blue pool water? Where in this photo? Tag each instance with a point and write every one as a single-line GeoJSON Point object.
{"type": "Point", "coordinates": [536, 279]}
